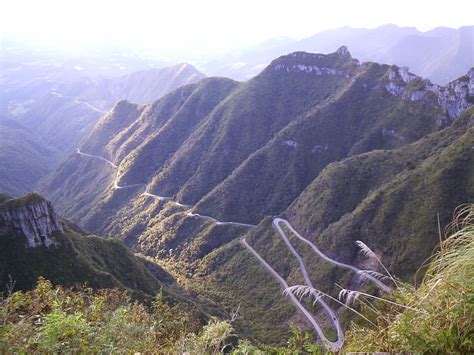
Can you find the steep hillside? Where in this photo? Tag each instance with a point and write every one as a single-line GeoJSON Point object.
{"type": "Point", "coordinates": [36, 242]}
{"type": "Point", "coordinates": [388, 199]}
{"type": "Point", "coordinates": [60, 116]}
{"type": "Point", "coordinates": [225, 134]}
{"type": "Point", "coordinates": [24, 157]}
{"type": "Point", "coordinates": [66, 114]}
{"type": "Point", "coordinates": [364, 117]}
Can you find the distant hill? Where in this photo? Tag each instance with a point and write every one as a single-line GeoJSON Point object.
{"type": "Point", "coordinates": [441, 55]}
{"type": "Point", "coordinates": [24, 157]}
{"type": "Point", "coordinates": [65, 115]}
{"type": "Point", "coordinates": [54, 119]}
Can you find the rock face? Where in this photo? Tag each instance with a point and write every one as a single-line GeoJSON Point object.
{"type": "Point", "coordinates": [453, 98]}
{"type": "Point", "coordinates": [339, 63]}
{"type": "Point", "coordinates": [32, 216]}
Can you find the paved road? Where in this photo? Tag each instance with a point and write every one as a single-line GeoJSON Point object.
{"type": "Point", "coordinates": [329, 310]}
{"type": "Point", "coordinates": [276, 225]}
{"type": "Point", "coordinates": [77, 101]}
{"type": "Point", "coordinates": [96, 156]}
{"type": "Point", "coordinates": [221, 222]}
{"type": "Point", "coordinates": [333, 345]}
{"type": "Point", "coordinates": [146, 193]}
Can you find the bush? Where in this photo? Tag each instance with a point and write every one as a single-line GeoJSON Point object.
{"type": "Point", "coordinates": [53, 320]}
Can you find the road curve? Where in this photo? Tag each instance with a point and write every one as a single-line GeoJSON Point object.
{"type": "Point", "coordinates": [337, 345]}
{"type": "Point", "coordinates": [78, 151]}
{"type": "Point", "coordinates": [329, 310]}
{"type": "Point", "coordinates": [148, 194]}
{"type": "Point", "coordinates": [333, 345]}
{"type": "Point", "coordinates": [276, 225]}
{"type": "Point", "coordinates": [216, 221]}
{"type": "Point", "coordinates": [76, 100]}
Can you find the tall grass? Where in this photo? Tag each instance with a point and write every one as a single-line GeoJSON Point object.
{"type": "Point", "coordinates": [443, 316]}
{"type": "Point", "coordinates": [438, 316]}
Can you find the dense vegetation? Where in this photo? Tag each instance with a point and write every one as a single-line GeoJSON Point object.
{"type": "Point", "coordinates": [56, 319]}
{"type": "Point", "coordinates": [441, 314]}
{"type": "Point", "coordinates": [76, 258]}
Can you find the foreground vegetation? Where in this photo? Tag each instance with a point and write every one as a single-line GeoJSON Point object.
{"type": "Point", "coordinates": [56, 319]}
{"type": "Point", "coordinates": [49, 319]}
{"type": "Point", "coordinates": [438, 316]}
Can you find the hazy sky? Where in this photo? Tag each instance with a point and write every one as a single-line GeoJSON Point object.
{"type": "Point", "coordinates": [216, 24]}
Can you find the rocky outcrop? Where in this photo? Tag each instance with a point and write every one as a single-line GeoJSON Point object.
{"type": "Point", "coordinates": [339, 63]}
{"type": "Point", "coordinates": [453, 98]}
{"type": "Point", "coordinates": [33, 217]}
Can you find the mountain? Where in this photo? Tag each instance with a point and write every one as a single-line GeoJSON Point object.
{"type": "Point", "coordinates": [37, 242]}
{"type": "Point", "coordinates": [185, 178]}
{"type": "Point", "coordinates": [65, 115]}
{"type": "Point", "coordinates": [56, 121]}
{"type": "Point", "coordinates": [25, 157]}
{"type": "Point", "coordinates": [441, 55]}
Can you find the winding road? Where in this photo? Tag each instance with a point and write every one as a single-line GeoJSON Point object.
{"type": "Point", "coordinates": [332, 315]}
{"type": "Point", "coordinates": [76, 100]}
{"type": "Point", "coordinates": [165, 198]}
{"type": "Point", "coordinates": [276, 225]}
{"type": "Point", "coordinates": [333, 345]}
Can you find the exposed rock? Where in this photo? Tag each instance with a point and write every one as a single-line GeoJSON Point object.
{"type": "Point", "coordinates": [470, 75]}
{"type": "Point", "coordinates": [343, 51]}
{"type": "Point", "coordinates": [295, 68]}
{"type": "Point", "coordinates": [457, 96]}
{"type": "Point", "coordinates": [291, 143]}
{"type": "Point", "coordinates": [319, 148]}
{"type": "Point", "coordinates": [339, 63]}
{"type": "Point", "coordinates": [31, 216]}
{"type": "Point", "coordinates": [453, 98]}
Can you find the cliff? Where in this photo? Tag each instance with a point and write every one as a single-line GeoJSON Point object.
{"type": "Point", "coordinates": [31, 216]}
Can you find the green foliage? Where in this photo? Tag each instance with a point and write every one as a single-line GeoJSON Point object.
{"type": "Point", "coordinates": [444, 317]}
{"type": "Point", "coordinates": [53, 320]}
{"type": "Point", "coordinates": [351, 121]}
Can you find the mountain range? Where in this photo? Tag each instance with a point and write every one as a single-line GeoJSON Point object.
{"type": "Point", "coordinates": [344, 150]}
{"type": "Point", "coordinates": [58, 115]}
{"type": "Point", "coordinates": [441, 54]}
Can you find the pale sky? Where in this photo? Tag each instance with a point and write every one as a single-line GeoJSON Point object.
{"type": "Point", "coordinates": [216, 24]}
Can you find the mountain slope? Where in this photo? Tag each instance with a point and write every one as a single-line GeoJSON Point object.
{"type": "Point", "coordinates": [249, 118]}
{"type": "Point", "coordinates": [35, 242]}
{"type": "Point", "coordinates": [64, 116]}
{"type": "Point", "coordinates": [24, 157]}
{"type": "Point", "coordinates": [356, 121]}
{"type": "Point", "coordinates": [388, 199]}
{"type": "Point", "coordinates": [257, 148]}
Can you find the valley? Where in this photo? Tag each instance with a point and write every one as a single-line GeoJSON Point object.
{"type": "Point", "coordinates": [186, 198]}
{"type": "Point", "coordinates": [294, 195]}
